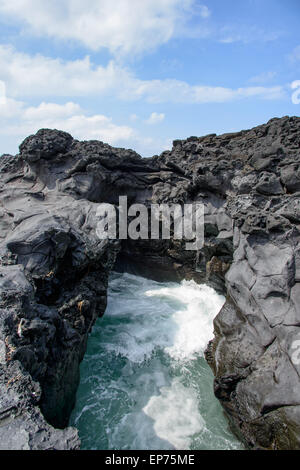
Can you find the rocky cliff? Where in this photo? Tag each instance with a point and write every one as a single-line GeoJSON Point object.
{"type": "Point", "coordinates": [54, 271]}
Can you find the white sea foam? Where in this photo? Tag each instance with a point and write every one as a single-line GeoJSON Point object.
{"type": "Point", "coordinates": [179, 319]}
{"type": "Point", "coordinates": [181, 323]}
{"type": "Point", "coordinates": [175, 414]}
{"type": "Point", "coordinates": [194, 322]}
{"type": "Point", "coordinates": [144, 383]}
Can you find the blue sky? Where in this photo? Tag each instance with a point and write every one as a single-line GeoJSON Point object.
{"type": "Point", "coordinates": [141, 73]}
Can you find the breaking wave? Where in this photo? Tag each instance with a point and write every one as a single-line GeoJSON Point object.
{"type": "Point", "coordinates": [144, 381]}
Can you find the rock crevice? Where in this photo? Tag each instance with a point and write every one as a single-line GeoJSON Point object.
{"type": "Point", "coordinates": [54, 271]}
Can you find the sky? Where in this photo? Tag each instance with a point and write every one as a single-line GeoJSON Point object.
{"type": "Point", "coordinates": [141, 73]}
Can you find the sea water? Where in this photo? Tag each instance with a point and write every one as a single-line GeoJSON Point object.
{"type": "Point", "coordinates": [144, 381]}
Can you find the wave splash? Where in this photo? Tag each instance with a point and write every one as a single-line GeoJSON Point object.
{"type": "Point", "coordinates": [144, 381]}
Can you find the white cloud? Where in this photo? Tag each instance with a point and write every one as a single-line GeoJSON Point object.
{"type": "Point", "coordinates": [2, 92]}
{"type": "Point", "coordinates": [155, 118]}
{"type": "Point", "coordinates": [37, 75]}
{"type": "Point", "coordinates": [158, 91]}
{"type": "Point", "coordinates": [230, 39]}
{"type": "Point", "coordinates": [27, 75]}
{"type": "Point", "coordinates": [18, 120]}
{"type": "Point", "coordinates": [295, 55]}
{"type": "Point", "coordinates": [125, 26]}
{"type": "Point", "coordinates": [264, 77]}
{"type": "Point", "coordinates": [10, 108]}
{"type": "Point", "coordinates": [46, 111]}
{"type": "Point", "coordinates": [203, 10]}
{"type": "Point", "coordinates": [246, 34]}
{"type": "Point", "coordinates": [122, 26]}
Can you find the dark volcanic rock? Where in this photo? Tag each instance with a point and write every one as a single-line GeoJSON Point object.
{"type": "Point", "coordinates": [54, 271]}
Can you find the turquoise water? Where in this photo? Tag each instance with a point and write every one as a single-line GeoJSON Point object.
{"type": "Point", "coordinates": [144, 381]}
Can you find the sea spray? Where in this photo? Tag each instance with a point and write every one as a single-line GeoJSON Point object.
{"type": "Point", "coordinates": [144, 381]}
{"type": "Point", "coordinates": [194, 321]}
